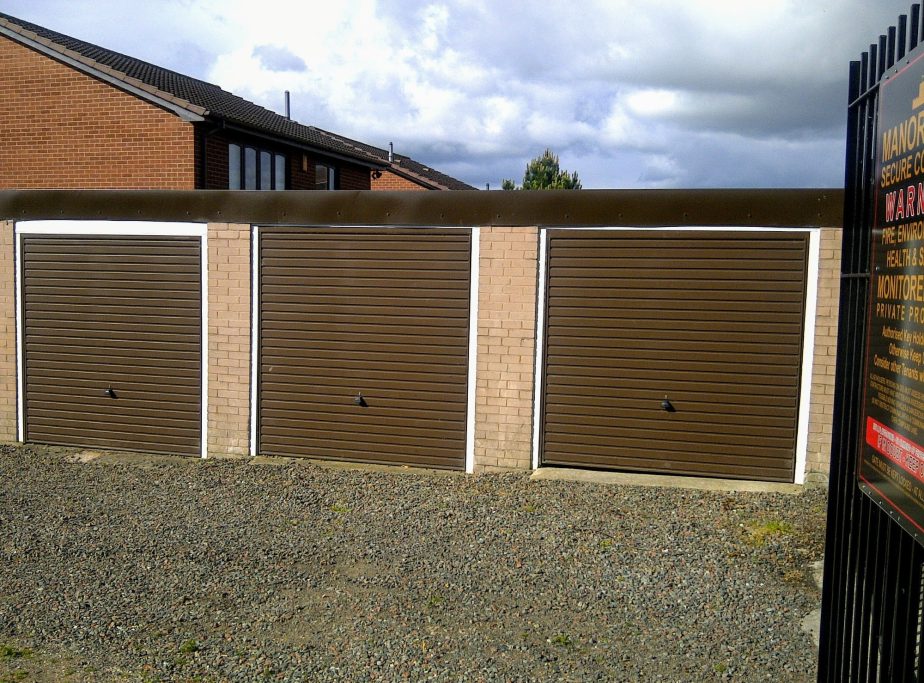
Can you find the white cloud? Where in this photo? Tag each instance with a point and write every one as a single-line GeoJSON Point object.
{"type": "Point", "coordinates": [667, 92]}
{"type": "Point", "coordinates": [652, 102]}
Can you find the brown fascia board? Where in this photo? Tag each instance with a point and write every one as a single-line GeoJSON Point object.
{"type": "Point", "coordinates": [183, 108]}
{"type": "Point", "coordinates": [772, 208]}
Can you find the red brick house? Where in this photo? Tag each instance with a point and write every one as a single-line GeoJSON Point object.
{"type": "Point", "coordinates": [76, 115]}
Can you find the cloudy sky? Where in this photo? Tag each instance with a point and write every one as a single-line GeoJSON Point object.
{"type": "Point", "coordinates": [629, 93]}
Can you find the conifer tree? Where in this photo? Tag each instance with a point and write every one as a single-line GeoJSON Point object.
{"type": "Point", "coordinates": [544, 173]}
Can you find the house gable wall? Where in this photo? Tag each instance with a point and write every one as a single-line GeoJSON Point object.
{"type": "Point", "coordinates": [393, 182]}
{"type": "Point", "coordinates": [60, 128]}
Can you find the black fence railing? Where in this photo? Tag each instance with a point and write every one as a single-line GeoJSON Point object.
{"type": "Point", "coordinates": [872, 597]}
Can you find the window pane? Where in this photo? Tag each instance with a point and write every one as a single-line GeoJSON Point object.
{"type": "Point", "coordinates": [250, 168]}
{"type": "Point", "coordinates": [279, 180]}
{"type": "Point", "coordinates": [234, 167]}
{"type": "Point", "coordinates": [321, 177]}
{"type": "Point", "coordinates": [331, 178]}
{"type": "Point", "coordinates": [266, 170]}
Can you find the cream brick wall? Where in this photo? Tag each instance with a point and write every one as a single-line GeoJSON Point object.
{"type": "Point", "coordinates": [506, 345]}
{"type": "Point", "coordinates": [8, 414]}
{"type": "Point", "coordinates": [229, 340]}
{"type": "Point", "coordinates": [821, 411]}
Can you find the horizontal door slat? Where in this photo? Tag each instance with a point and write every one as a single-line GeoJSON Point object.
{"type": "Point", "coordinates": [360, 454]}
{"type": "Point", "coordinates": [350, 282]}
{"type": "Point", "coordinates": [105, 437]}
{"type": "Point", "coordinates": [117, 422]}
{"type": "Point", "coordinates": [688, 310]}
{"type": "Point", "coordinates": [334, 341]}
{"type": "Point", "coordinates": [680, 278]}
{"type": "Point", "coordinates": [393, 423]}
{"type": "Point", "coordinates": [680, 449]}
{"type": "Point", "coordinates": [678, 264]}
{"type": "Point", "coordinates": [631, 402]}
{"type": "Point", "coordinates": [297, 331]}
{"type": "Point", "coordinates": [658, 332]}
{"type": "Point", "coordinates": [669, 299]}
{"type": "Point", "coordinates": [386, 357]}
{"type": "Point", "coordinates": [691, 251]}
{"type": "Point", "coordinates": [617, 357]}
{"type": "Point", "coordinates": [311, 402]}
{"type": "Point", "coordinates": [694, 436]}
{"type": "Point", "coordinates": [337, 385]}
{"type": "Point", "coordinates": [348, 439]}
{"type": "Point", "coordinates": [63, 366]}
{"type": "Point", "coordinates": [186, 412]}
{"type": "Point", "coordinates": [706, 379]}
{"type": "Point", "coordinates": [87, 390]}
{"type": "Point", "coordinates": [74, 305]}
{"type": "Point", "coordinates": [411, 310]}
{"type": "Point", "coordinates": [667, 465]}
{"type": "Point", "coordinates": [653, 416]}
{"type": "Point", "coordinates": [118, 358]}
{"type": "Point", "coordinates": [765, 373]}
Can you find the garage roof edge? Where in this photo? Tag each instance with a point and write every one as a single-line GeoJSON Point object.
{"type": "Point", "coordinates": [552, 208]}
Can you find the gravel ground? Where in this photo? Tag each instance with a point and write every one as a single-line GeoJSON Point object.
{"type": "Point", "coordinates": [184, 570]}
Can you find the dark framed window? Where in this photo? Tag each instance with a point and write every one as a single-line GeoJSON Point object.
{"type": "Point", "coordinates": [250, 168]}
{"type": "Point", "coordinates": [280, 171]}
{"type": "Point", "coordinates": [234, 167]}
{"type": "Point", "coordinates": [325, 177]}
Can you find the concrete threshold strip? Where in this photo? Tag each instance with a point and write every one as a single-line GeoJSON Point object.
{"type": "Point", "coordinates": [104, 457]}
{"type": "Point", "coordinates": [541, 474]}
{"type": "Point", "coordinates": [662, 481]}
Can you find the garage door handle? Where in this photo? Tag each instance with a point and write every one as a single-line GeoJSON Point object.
{"type": "Point", "coordinates": [360, 401]}
{"type": "Point", "coordinates": [110, 392]}
{"type": "Point", "coordinates": [667, 405]}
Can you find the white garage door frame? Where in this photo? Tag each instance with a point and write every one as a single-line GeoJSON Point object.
{"type": "Point", "coordinates": [472, 332]}
{"type": "Point", "coordinates": [808, 328]}
{"type": "Point", "coordinates": [120, 229]}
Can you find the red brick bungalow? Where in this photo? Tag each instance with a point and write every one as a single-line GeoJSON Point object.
{"type": "Point", "coordinates": [76, 115]}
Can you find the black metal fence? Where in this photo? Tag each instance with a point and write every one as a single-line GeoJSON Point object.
{"type": "Point", "coordinates": [872, 598]}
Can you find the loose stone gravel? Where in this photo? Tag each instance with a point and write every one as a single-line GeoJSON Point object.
{"type": "Point", "coordinates": [187, 570]}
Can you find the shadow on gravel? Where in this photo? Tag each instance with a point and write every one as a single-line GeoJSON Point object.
{"type": "Point", "coordinates": [223, 571]}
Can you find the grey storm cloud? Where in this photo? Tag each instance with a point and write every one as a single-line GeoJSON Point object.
{"type": "Point", "coordinates": [752, 106]}
{"type": "Point", "coordinates": [275, 58]}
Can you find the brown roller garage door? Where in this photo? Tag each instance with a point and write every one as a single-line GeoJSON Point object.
{"type": "Point", "coordinates": [710, 320]}
{"type": "Point", "coordinates": [119, 313]}
{"type": "Point", "coordinates": [381, 314]}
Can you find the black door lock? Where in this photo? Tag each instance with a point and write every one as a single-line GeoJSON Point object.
{"type": "Point", "coordinates": [360, 401]}
{"type": "Point", "coordinates": [110, 392]}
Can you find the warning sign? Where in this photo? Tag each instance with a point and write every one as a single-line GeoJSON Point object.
{"type": "Point", "coordinates": [891, 467]}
